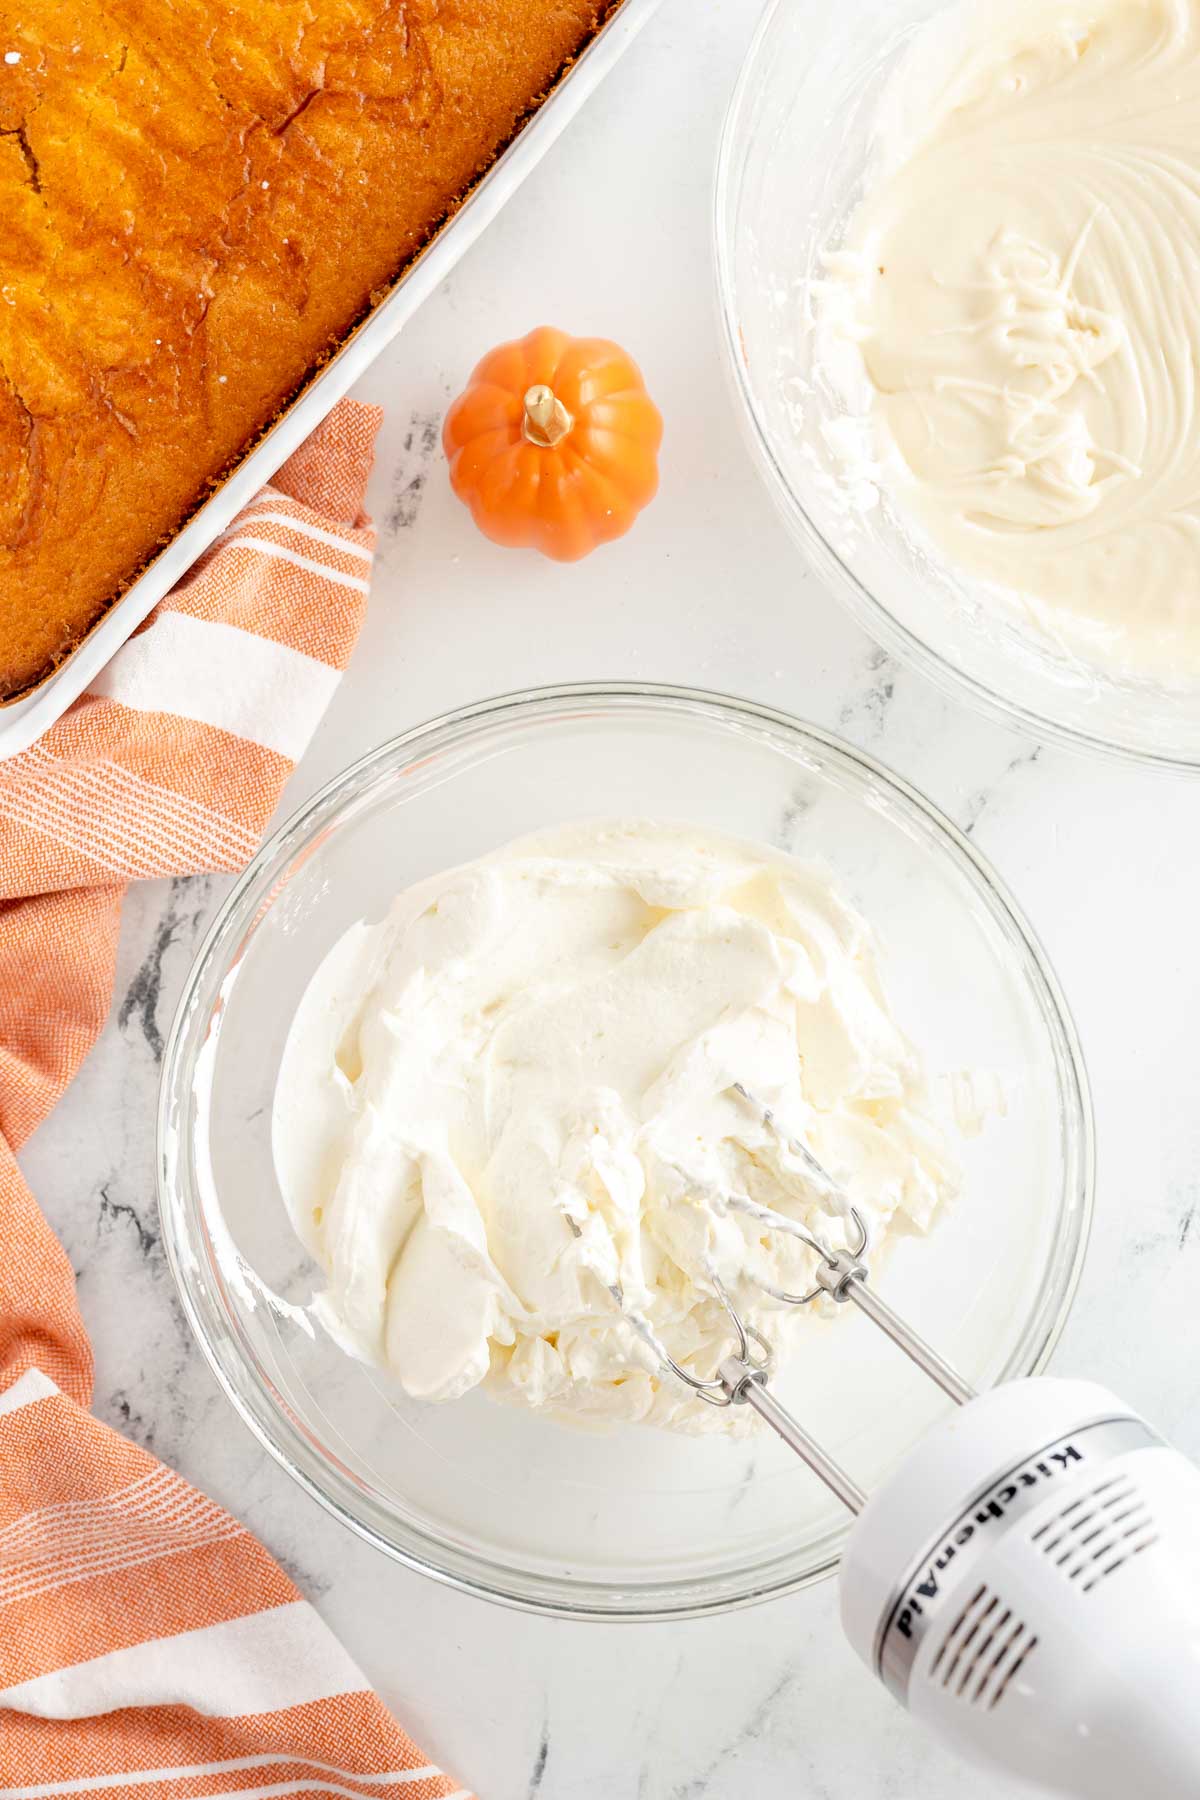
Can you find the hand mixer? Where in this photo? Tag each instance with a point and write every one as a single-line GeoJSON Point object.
{"type": "Point", "coordinates": [1027, 1582]}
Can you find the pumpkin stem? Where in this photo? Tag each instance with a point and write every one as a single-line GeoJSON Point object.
{"type": "Point", "coordinates": [547, 420]}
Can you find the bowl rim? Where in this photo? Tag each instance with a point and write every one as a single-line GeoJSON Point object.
{"type": "Point", "coordinates": [871, 613]}
{"type": "Point", "coordinates": [266, 1416]}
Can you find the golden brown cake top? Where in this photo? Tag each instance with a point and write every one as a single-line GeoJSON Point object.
{"type": "Point", "coordinates": [197, 199]}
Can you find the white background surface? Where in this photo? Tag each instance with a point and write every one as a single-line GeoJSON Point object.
{"type": "Point", "coordinates": [612, 236]}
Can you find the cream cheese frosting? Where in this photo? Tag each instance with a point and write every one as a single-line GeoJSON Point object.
{"type": "Point", "coordinates": [505, 1123]}
{"type": "Point", "coordinates": [1022, 283]}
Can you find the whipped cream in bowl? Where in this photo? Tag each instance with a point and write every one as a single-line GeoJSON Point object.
{"type": "Point", "coordinates": [508, 1126]}
{"type": "Point", "coordinates": [450, 1150]}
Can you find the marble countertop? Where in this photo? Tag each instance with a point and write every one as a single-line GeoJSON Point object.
{"type": "Point", "coordinates": [611, 235]}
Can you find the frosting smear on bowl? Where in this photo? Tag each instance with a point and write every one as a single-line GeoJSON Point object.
{"type": "Point", "coordinates": [505, 1122]}
{"type": "Point", "coordinates": [1022, 284]}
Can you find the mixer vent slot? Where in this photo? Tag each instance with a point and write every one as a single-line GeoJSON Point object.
{"type": "Point", "coordinates": [982, 1651]}
{"type": "Point", "coordinates": [1093, 1536]}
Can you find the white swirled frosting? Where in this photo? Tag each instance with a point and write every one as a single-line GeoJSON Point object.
{"type": "Point", "coordinates": [1022, 283]}
{"type": "Point", "coordinates": [510, 1102]}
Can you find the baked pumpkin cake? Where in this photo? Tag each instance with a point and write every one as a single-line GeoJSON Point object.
{"type": "Point", "coordinates": [198, 198]}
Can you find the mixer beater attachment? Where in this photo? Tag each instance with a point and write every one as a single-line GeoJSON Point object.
{"type": "Point", "coordinates": [841, 1275]}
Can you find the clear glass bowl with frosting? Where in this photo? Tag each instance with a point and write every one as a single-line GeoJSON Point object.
{"type": "Point", "coordinates": [632, 1521]}
{"type": "Point", "coordinates": [800, 150]}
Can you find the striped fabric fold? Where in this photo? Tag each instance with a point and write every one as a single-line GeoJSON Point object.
{"type": "Point", "coordinates": [150, 1648]}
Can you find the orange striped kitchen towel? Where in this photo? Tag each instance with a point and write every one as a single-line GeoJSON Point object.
{"type": "Point", "coordinates": [150, 1649]}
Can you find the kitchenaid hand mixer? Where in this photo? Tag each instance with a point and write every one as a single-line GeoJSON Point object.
{"type": "Point", "coordinates": [1027, 1582]}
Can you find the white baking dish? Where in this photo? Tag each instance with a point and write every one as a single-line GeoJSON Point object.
{"type": "Point", "coordinates": [24, 719]}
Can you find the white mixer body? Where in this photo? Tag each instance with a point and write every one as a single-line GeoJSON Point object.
{"type": "Point", "coordinates": [1027, 1583]}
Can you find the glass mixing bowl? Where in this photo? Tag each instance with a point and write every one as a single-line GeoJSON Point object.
{"type": "Point", "coordinates": [793, 157]}
{"type": "Point", "coordinates": [633, 1523]}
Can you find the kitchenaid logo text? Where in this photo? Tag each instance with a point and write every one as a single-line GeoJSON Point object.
{"type": "Point", "coordinates": [989, 1512]}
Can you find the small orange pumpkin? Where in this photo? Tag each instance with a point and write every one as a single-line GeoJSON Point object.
{"type": "Point", "coordinates": [554, 443]}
